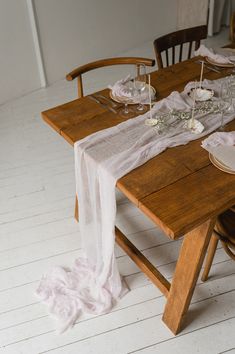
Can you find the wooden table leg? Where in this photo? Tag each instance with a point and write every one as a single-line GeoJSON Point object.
{"type": "Point", "coordinates": [187, 270]}
{"type": "Point", "coordinates": [210, 256]}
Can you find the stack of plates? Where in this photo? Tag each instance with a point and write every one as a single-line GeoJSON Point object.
{"type": "Point", "coordinates": [220, 165]}
{"type": "Point", "coordinates": [223, 158]}
{"type": "Point", "coordinates": [223, 65]}
{"type": "Point", "coordinates": [136, 99]}
{"type": "Point", "coordinates": [201, 94]}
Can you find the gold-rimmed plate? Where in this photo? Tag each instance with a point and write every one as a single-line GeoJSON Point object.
{"type": "Point", "coordinates": [222, 65]}
{"type": "Point", "coordinates": [201, 94]}
{"type": "Point", "coordinates": [220, 165]}
{"type": "Point", "coordinates": [130, 100]}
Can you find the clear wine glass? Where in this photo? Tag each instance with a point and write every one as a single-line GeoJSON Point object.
{"type": "Point", "coordinates": [231, 88]}
{"type": "Point", "coordinates": [225, 102]}
{"type": "Point", "coordinates": [128, 112]}
{"type": "Point", "coordinates": [140, 86]}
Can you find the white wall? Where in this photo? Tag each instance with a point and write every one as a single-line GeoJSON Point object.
{"type": "Point", "coordinates": [192, 13]}
{"type": "Point", "coordinates": [18, 68]}
{"type": "Point", "coordinates": [74, 32]}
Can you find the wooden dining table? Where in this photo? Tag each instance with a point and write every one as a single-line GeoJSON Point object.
{"type": "Point", "coordinates": [179, 190]}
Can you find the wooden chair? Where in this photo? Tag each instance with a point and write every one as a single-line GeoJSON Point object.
{"type": "Point", "coordinates": [225, 232]}
{"type": "Point", "coordinates": [78, 72]}
{"type": "Point", "coordinates": [232, 28]}
{"type": "Point", "coordinates": [178, 38]}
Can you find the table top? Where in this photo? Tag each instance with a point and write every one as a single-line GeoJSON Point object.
{"type": "Point", "coordinates": [178, 189]}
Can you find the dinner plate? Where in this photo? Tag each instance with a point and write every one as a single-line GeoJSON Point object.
{"type": "Point", "coordinates": [220, 165]}
{"type": "Point", "coordinates": [223, 65]}
{"type": "Point", "coordinates": [129, 100]}
{"type": "Point", "coordinates": [226, 50]}
{"type": "Point", "coordinates": [201, 94]}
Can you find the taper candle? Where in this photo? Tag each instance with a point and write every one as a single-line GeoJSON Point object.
{"type": "Point", "coordinates": [194, 100]}
{"type": "Point", "coordinates": [150, 103]}
{"type": "Point", "coordinates": [202, 68]}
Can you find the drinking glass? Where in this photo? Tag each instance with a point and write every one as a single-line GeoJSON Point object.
{"type": "Point", "coordinates": [140, 86]}
{"type": "Point", "coordinates": [231, 86]}
{"type": "Point", "coordinates": [128, 112]}
{"type": "Point", "coordinates": [225, 102]}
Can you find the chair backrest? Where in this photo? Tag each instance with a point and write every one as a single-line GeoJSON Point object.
{"type": "Point", "coordinates": [77, 73]}
{"type": "Point", "coordinates": [225, 229]}
{"type": "Point", "coordinates": [232, 28]}
{"type": "Point", "coordinates": [178, 38]}
{"type": "Point", "coordinates": [225, 225]}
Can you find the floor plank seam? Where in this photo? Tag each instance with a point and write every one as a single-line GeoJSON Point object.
{"type": "Point", "coordinates": [227, 351]}
{"type": "Point", "coordinates": [40, 259]}
{"type": "Point", "coordinates": [129, 324]}
{"type": "Point", "coordinates": [181, 335]}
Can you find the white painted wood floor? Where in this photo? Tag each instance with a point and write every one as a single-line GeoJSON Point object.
{"type": "Point", "coordinates": [37, 231]}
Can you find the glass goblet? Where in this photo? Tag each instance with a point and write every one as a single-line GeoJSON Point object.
{"type": "Point", "coordinates": [140, 86]}
{"type": "Point", "coordinates": [224, 103]}
{"type": "Point", "coordinates": [126, 111]}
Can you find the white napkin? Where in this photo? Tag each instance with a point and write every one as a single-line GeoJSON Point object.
{"type": "Point", "coordinates": [125, 88]}
{"type": "Point", "coordinates": [121, 89]}
{"type": "Point", "coordinates": [195, 125]}
{"type": "Point", "coordinates": [216, 57]}
{"type": "Point", "coordinates": [222, 146]}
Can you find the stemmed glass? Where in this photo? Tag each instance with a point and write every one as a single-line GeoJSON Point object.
{"type": "Point", "coordinates": [140, 85]}
{"type": "Point", "coordinates": [231, 88]}
{"type": "Point", "coordinates": [224, 104]}
{"type": "Point", "coordinates": [128, 112]}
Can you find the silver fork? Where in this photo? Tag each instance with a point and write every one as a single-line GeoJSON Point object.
{"type": "Point", "coordinates": [105, 105]}
{"type": "Point", "coordinates": [113, 104]}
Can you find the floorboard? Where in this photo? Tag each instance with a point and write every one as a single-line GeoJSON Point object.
{"type": "Point", "coordinates": [38, 231]}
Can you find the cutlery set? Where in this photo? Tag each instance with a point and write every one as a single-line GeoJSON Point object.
{"type": "Point", "coordinates": [105, 102]}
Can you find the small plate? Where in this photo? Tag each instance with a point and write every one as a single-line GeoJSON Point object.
{"type": "Point", "coordinates": [129, 100]}
{"type": "Point", "coordinates": [220, 165]}
{"type": "Point", "coordinates": [201, 94]}
{"type": "Point", "coordinates": [223, 65]}
{"type": "Point", "coordinates": [227, 49]}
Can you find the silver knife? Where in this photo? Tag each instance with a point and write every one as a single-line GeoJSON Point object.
{"type": "Point", "coordinates": [95, 99]}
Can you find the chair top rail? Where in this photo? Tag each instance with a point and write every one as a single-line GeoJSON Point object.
{"type": "Point", "coordinates": [108, 62]}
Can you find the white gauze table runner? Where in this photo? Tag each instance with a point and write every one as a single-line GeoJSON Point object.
{"type": "Point", "coordinates": [94, 284]}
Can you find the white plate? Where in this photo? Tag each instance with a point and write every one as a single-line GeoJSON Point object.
{"type": "Point", "coordinates": [225, 51]}
{"type": "Point", "coordinates": [129, 100]}
{"type": "Point", "coordinates": [201, 94]}
{"type": "Point", "coordinates": [220, 165]}
{"type": "Point", "coordinates": [223, 65]}
{"type": "Point", "coordinates": [225, 154]}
